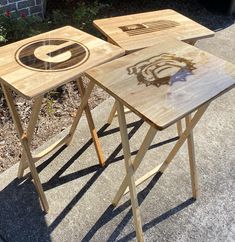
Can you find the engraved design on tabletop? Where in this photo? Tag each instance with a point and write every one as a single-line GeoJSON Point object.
{"type": "Point", "coordinates": [148, 27]}
{"type": "Point", "coordinates": [163, 69]}
{"type": "Point", "coordinates": [52, 55]}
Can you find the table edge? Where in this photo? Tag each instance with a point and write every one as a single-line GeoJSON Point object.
{"type": "Point", "coordinates": [157, 126]}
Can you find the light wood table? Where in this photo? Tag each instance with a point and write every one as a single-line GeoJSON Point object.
{"type": "Point", "coordinates": [36, 65]}
{"type": "Point", "coordinates": [138, 31]}
{"type": "Point", "coordinates": [162, 84]}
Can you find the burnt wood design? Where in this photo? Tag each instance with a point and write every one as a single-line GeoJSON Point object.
{"type": "Point", "coordinates": [186, 78]}
{"type": "Point", "coordinates": [137, 31]}
{"type": "Point", "coordinates": [162, 69]}
{"type": "Point", "coordinates": [26, 57]}
{"type": "Point", "coordinates": [148, 27]}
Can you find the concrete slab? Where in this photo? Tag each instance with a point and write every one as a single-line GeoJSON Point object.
{"type": "Point", "coordinates": [222, 45]}
{"type": "Point", "coordinates": [79, 192]}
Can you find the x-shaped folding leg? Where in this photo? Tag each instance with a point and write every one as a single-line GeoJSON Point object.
{"type": "Point", "coordinates": [131, 167]}
{"type": "Point", "coordinates": [25, 141]}
{"type": "Point", "coordinates": [85, 94]}
{"type": "Point", "coordinates": [67, 139]}
{"type": "Point", "coordinates": [30, 131]}
{"type": "Point", "coordinates": [26, 137]}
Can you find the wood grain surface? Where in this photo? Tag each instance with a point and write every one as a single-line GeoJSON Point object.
{"type": "Point", "coordinates": [137, 31]}
{"type": "Point", "coordinates": [39, 64]}
{"type": "Point", "coordinates": [165, 82]}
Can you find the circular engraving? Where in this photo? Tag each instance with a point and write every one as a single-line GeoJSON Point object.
{"type": "Point", "coordinates": [52, 55]}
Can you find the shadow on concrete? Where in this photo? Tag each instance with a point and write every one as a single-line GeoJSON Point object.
{"type": "Point", "coordinates": [159, 219]}
{"type": "Point", "coordinates": [55, 180]}
{"type": "Point", "coordinates": [111, 212]}
{"type": "Point", "coordinates": [58, 180]}
{"type": "Point", "coordinates": [21, 216]}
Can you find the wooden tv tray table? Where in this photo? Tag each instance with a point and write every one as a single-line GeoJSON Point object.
{"type": "Point", "coordinates": [34, 66]}
{"type": "Point", "coordinates": [138, 31]}
{"type": "Point", "coordinates": [162, 84]}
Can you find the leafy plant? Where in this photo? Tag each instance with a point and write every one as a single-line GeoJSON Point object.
{"type": "Point", "coordinates": [59, 18]}
{"type": "Point", "coordinates": [3, 34]}
{"type": "Point", "coordinates": [79, 15]}
{"type": "Point", "coordinates": [84, 14]}
{"type": "Point", "coordinates": [50, 101]}
{"type": "Point", "coordinates": [14, 26]}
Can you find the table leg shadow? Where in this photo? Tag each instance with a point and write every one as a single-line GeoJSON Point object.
{"type": "Point", "coordinates": [20, 209]}
{"type": "Point", "coordinates": [30, 206]}
{"type": "Point", "coordinates": [112, 212]}
{"type": "Point", "coordinates": [97, 169]}
{"type": "Point", "coordinates": [21, 216]}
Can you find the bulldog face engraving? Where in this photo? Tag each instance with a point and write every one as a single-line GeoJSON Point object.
{"type": "Point", "coordinates": [163, 69]}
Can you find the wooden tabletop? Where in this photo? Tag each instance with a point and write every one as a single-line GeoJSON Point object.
{"type": "Point", "coordinates": [36, 65]}
{"type": "Point", "coordinates": [137, 31]}
{"type": "Point", "coordinates": [165, 82]}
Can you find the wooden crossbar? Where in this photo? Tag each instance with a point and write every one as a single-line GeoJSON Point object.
{"type": "Point", "coordinates": [164, 165]}
{"type": "Point", "coordinates": [129, 184]}
{"type": "Point", "coordinates": [25, 144]}
{"type": "Point", "coordinates": [52, 147]}
{"type": "Point", "coordinates": [28, 160]}
{"type": "Point", "coordinates": [145, 177]}
{"type": "Point", "coordinates": [140, 155]}
{"type": "Point", "coordinates": [30, 131]}
{"type": "Point", "coordinates": [130, 171]}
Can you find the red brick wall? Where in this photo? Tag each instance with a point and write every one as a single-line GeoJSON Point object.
{"type": "Point", "coordinates": [26, 7]}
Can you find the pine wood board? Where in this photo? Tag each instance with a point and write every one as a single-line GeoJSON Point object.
{"type": "Point", "coordinates": [41, 63]}
{"type": "Point", "coordinates": [137, 31]}
{"type": "Point", "coordinates": [164, 83]}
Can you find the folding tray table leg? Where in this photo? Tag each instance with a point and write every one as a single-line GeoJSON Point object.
{"type": "Point", "coordinates": [112, 113]}
{"type": "Point", "coordinates": [80, 110]}
{"type": "Point", "coordinates": [138, 158]}
{"type": "Point", "coordinates": [162, 167]}
{"type": "Point", "coordinates": [31, 126]}
{"type": "Point", "coordinates": [179, 127]}
{"type": "Point", "coordinates": [184, 136]}
{"type": "Point", "coordinates": [130, 172]}
{"type": "Point", "coordinates": [84, 102]}
{"type": "Point", "coordinates": [192, 162]}
{"type": "Point", "coordinates": [25, 145]}
{"type": "Point", "coordinates": [91, 125]}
